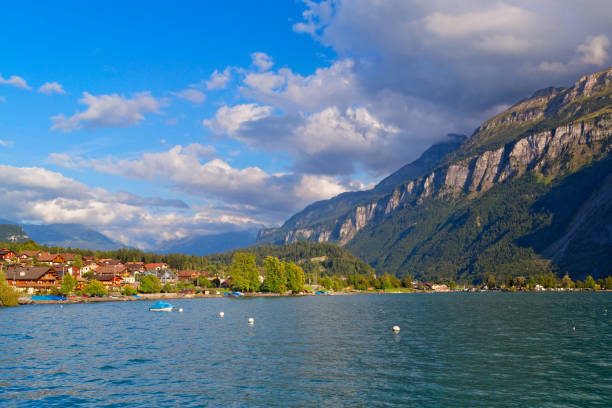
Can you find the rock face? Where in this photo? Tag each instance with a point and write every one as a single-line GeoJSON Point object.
{"type": "Point", "coordinates": [578, 131]}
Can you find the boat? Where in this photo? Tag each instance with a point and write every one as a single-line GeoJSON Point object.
{"type": "Point", "coordinates": [237, 294]}
{"type": "Point", "coordinates": [161, 306]}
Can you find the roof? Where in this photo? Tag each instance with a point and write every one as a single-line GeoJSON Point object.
{"type": "Point", "coordinates": [47, 257]}
{"type": "Point", "coordinates": [5, 251]}
{"type": "Point", "coordinates": [104, 277]}
{"type": "Point", "coordinates": [30, 254]}
{"type": "Point", "coordinates": [111, 262]}
{"type": "Point", "coordinates": [68, 257]}
{"type": "Point", "coordinates": [110, 269]}
{"type": "Point", "coordinates": [27, 273]}
{"type": "Point", "coordinates": [156, 265]}
{"type": "Point", "coordinates": [188, 273]}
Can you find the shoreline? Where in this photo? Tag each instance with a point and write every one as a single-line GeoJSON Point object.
{"type": "Point", "coordinates": [23, 300]}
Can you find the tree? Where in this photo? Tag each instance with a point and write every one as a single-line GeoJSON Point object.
{"type": "Point", "coordinates": [129, 291]}
{"type": "Point", "coordinates": [95, 287]}
{"type": "Point", "coordinates": [77, 261]}
{"type": "Point", "coordinates": [204, 282]}
{"type": "Point", "coordinates": [243, 272]}
{"type": "Point", "coordinates": [150, 284]}
{"type": "Point", "coordinates": [452, 285]}
{"type": "Point", "coordinates": [295, 277]}
{"type": "Point", "coordinates": [608, 283]}
{"type": "Point", "coordinates": [274, 275]}
{"type": "Point", "coordinates": [8, 295]}
{"type": "Point", "coordinates": [566, 282]}
{"type": "Point", "coordinates": [68, 284]}
{"type": "Point", "coordinates": [407, 281]}
{"type": "Point", "coordinates": [589, 282]}
{"type": "Point", "coordinates": [532, 282]}
{"type": "Point", "coordinates": [491, 282]}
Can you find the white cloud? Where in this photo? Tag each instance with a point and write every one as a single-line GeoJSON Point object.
{"type": "Point", "coordinates": [228, 120]}
{"type": "Point", "coordinates": [49, 88]}
{"type": "Point", "coordinates": [109, 111]}
{"type": "Point", "coordinates": [192, 95]}
{"type": "Point", "coordinates": [6, 143]}
{"type": "Point", "coordinates": [594, 50]}
{"type": "Point", "coordinates": [333, 85]}
{"type": "Point", "coordinates": [477, 22]}
{"type": "Point", "coordinates": [15, 81]}
{"type": "Point", "coordinates": [262, 61]}
{"type": "Point", "coordinates": [218, 80]}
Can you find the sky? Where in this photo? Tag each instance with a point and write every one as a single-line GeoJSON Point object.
{"type": "Point", "coordinates": [151, 121]}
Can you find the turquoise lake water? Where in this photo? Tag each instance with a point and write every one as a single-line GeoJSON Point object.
{"type": "Point", "coordinates": [454, 350]}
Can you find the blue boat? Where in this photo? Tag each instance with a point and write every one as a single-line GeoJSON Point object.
{"type": "Point", "coordinates": [48, 297]}
{"type": "Point", "coordinates": [161, 306]}
{"type": "Point", "coordinates": [321, 292]}
{"type": "Point", "coordinates": [237, 294]}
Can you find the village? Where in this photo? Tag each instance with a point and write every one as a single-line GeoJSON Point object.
{"type": "Point", "coordinates": [35, 272]}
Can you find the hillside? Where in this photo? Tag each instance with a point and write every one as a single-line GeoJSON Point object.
{"type": "Point", "coordinates": [527, 192]}
{"type": "Point", "coordinates": [12, 233]}
{"type": "Point", "coordinates": [69, 235]}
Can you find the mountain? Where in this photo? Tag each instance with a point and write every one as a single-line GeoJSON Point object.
{"type": "Point", "coordinates": [12, 233]}
{"type": "Point", "coordinates": [209, 244]}
{"type": "Point", "coordinates": [529, 192]}
{"type": "Point", "coordinates": [69, 235]}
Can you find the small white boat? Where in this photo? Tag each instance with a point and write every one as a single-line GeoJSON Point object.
{"type": "Point", "coordinates": [161, 306]}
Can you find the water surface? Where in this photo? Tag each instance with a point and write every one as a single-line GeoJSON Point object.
{"type": "Point", "coordinates": [454, 349]}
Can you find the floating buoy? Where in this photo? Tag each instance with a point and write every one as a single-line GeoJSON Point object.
{"type": "Point", "coordinates": [221, 314]}
{"type": "Point", "coordinates": [181, 309]}
{"type": "Point", "coordinates": [396, 328]}
{"type": "Point", "coordinates": [251, 320]}
{"type": "Point", "coordinates": [574, 328]}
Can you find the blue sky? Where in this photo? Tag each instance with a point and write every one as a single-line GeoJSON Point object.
{"type": "Point", "coordinates": [150, 121]}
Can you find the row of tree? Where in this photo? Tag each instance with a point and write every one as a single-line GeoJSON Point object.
{"type": "Point", "coordinates": [549, 280]}
{"type": "Point", "coordinates": [278, 276]}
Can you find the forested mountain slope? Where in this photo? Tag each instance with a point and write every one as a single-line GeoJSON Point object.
{"type": "Point", "coordinates": [528, 192]}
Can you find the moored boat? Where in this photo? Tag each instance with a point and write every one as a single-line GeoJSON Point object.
{"type": "Point", "coordinates": [161, 306]}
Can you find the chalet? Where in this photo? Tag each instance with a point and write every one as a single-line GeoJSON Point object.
{"type": "Point", "coordinates": [6, 254]}
{"type": "Point", "coordinates": [68, 258]}
{"type": "Point", "coordinates": [29, 254]}
{"type": "Point", "coordinates": [63, 269]}
{"type": "Point", "coordinates": [111, 262]}
{"type": "Point", "coordinates": [135, 267]}
{"type": "Point", "coordinates": [156, 266]}
{"type": "Point", "coordinates": [89, 266]}
{"type": "Point", "coordinates": [32, 278]}
{"type": "Point", "coordinates": [118, 270]}
{"type": "Point", "coordinates": [188, 275]}
{"type": "Point", "coordinates": [165, 276]}
{"type": "Point", "coordinates": [50, 259]}
{"type": "Point", "coordinates": [108, 279]}
{"type": "Point", "coordinates": [89, 259]}
{"type": "Point", "coordinates": [439, 288]}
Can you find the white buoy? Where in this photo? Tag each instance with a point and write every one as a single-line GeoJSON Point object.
{"type": "Point", "coordinates": [574, 328]}
{"type": "Point", "coordinates": [396, 328]}
{"type": "Point", "coordinates": [221, 314]}
{"type": "Point", "coordinates": [181, 309]}
{"type": "Point", "coordinates": [251, 320]}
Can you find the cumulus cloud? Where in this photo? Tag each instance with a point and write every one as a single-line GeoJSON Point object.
{"type": "Point", "coordinates": [192, 95]}
{"type": "Point", "coordinates": [262, 61]}
{"type": "Point", "coordinates": [109, 111]}
{"type": "Point", "coordinates": [228, 120]}
{"type": "Point", "coordinates": [6, 143]}
{"type": "Point", "coordinates": [14, 80]}
{"type": "Point", "coordinates": [263, 197]}
{"type": "Point", "coordinates": [594, 50]}
{"type": "Point", "coordinates": [49, 88]}
{"type": "Point", "coordinates": [38, 194]}
{"type": "Point", "coordinates": [218, 80]}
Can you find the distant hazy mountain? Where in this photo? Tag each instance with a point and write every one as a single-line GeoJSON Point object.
{"type": "Point", "coordinates": [65, 235]}
{"type": "Point", "coordinates": [209, 244]}
{"type": "Point", "coordinates": [529, 192]}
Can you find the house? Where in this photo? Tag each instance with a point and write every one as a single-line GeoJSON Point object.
{"type": "Point", "coordinates": [6, 254]}
{"type": "Point", "coordinates": [135, 267]}
{"type": "Point", "coordinates": [439, 288]}
{"type": "Point", "coordinates": [63, 269]}
{"type": "Point", "coordinates": [89, 259]}
{"type": "Point", "coordinates": [50, 259]}
{"type": "Point", "coordinates": [156, 266]}
{"type": "Point", "coordinates": [165, 276]}
{"type": "Point", "coordinates": [111, 262]}
{"type": "Point", "coordinates": [68, 258]}
{"type": "Point", "coordinates": [89, 266]}
{"type": "Point", "coordinates": [32, 278]}
{"type": "Point", "coordinates": [188, 275]}
{"type": "Point", "coordinates": [108, 279]}
{"type": "Point", "coordinates": [29, 254]}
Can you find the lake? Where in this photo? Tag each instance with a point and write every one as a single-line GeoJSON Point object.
{"type": "Point", "coordinates": [454, 350]}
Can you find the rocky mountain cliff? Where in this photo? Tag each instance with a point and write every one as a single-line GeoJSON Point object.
{"type": "Point", "coordinates": [556, 133]}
